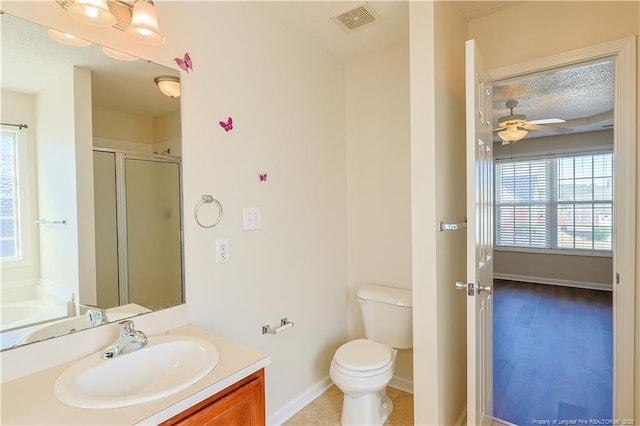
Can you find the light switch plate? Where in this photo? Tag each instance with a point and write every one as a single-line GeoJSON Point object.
{"type": "Point", "coordinates": [252, 218]}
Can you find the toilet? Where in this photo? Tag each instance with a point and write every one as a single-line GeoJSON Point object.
{"type": "Point", "coordinates": [362, 368]}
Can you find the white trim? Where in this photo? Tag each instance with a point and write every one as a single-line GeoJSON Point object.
{"type": "Point", "coordinates": [554, 281]}
{"type": "Point", "coordinates": [557, 252]}
{"type": "Point", "coordinates": [402, 384]}
{"type": "Point", "coordinates": [292, 407]}
{"type": "Point", "coordinates": [462, 417]}
{"type": "Point", "coordinates": [503, 422]}
{"type": "Point", "coordinates": [595, 150]}
{"type": "Point", "coordinates": [624, 53]}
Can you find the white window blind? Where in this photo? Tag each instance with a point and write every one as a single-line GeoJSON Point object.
{"type": "Point", "coordinates": [555, 203]}
{"type": "Point", "coordinates": [9, 202]}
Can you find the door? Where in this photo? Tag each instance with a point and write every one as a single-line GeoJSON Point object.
{"type": "Point", "coordinates": [479, 285]}
{"type": "Point", "coordinates": [153, 240]}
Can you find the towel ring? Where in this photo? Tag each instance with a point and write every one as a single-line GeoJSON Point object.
{"type": "Point", "coordinates": [207, 199]}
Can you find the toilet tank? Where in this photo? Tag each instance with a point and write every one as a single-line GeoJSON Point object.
{"type": "Point", "coordinates": [387, 315]}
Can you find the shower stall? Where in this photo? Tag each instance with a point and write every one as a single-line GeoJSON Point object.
{"type": "Point", "coordinates": [138, 222]}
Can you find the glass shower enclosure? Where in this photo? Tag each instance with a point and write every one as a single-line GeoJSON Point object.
{"type": "Point", "coordinates": [138, 229]}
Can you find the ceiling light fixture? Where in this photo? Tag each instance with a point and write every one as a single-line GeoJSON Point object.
{"type": "Point", "coordinates": [168, 85]}
{"type": "Point", "coordinates": [94, 12]}
{"type": "Point", "coordinates": [138, 19]}
{"type": "Point", "coordinates": [68, 39]}
{"type": "Point", "coordinates": [144, 23]}
{"type": "Point", "coordinates": [116, 54]}
{"type": "Point", "coordinates": [512, 133]}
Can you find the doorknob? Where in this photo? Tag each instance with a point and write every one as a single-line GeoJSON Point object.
{"type": "Point", "coordinates": [485, 287]}
{"type": "Point", "coordinates": [462, 285]}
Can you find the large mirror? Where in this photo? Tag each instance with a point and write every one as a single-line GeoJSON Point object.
{"type": "Point", "coordinates": [90, 190]}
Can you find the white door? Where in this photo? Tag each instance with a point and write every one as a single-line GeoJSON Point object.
{"type": "Point", "coordinates": [479, 283]}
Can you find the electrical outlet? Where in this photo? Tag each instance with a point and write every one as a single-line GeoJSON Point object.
{"type": "Point", "coordinates": [222, 250]}
{"type": "Point", "coordinates": [252, 218]}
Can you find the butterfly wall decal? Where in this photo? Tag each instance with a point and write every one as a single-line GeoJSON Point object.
{"type": "Point", "coordinates": [263, 177]}
{"type": "Point", "coordinates": [228, 125]}
{"type": "Point", "coordinates": [185, 63]}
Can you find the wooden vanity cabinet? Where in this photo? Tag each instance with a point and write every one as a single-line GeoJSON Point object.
{"type": "Point", "coordinates": [241, 404]}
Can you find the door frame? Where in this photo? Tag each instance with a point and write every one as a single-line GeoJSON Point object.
{"type": "Point", "coordinates": [623, 52]}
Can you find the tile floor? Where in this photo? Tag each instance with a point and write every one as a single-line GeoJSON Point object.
{"type": "Point", "coordinates": [327, 408]}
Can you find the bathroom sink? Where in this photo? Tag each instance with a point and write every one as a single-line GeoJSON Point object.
{"type": "Point", "coordinates": [166, 365]}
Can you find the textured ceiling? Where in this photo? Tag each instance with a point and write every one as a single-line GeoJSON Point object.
{"type": "Point", "coordinates": [31, 61]}
{"type": "Point", "coordinates": [571, 93]}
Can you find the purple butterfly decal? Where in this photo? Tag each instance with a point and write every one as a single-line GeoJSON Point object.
{"type": "Point", "coordinates": [228, 125]}
{"type": "Point", "coordinates": [263, 177]}
{"type": "Point", "coordinates": [185, 63]}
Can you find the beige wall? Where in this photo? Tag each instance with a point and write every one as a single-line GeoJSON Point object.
{"type": "Point", "coordinates": [118, 125]}
{"type": "Point", "coordinates": [438, 32]}
{"type": "Point", "coordinates": [287, 100]}
{"type": "Point", "coordinates": [57, 179]}
{"type": "Point", "coordinates": [637, 340]}
{"type": "Point", "coordinates": [450, 36]}
{"type": "Point", "coordinates": [378, 179]}
{"type": "Point", "coordinates": [556, 27]}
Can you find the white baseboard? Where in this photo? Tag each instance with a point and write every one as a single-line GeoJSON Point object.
{"type": "Point", "coordinates": [462, 417]}
{"type": "Point", "coordinates": [298, 403]}
{"type": "Point", "coordinates": [402, 384]}
{"type": "Point", "coordinates": [552, 281]}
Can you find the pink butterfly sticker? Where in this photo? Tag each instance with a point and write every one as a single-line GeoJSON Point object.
{"type": "Point", "coordinates": [228, 125]}
{"type": "Point", "coordinates": [184, 63]}
{"type": "Point", "coordinates": [263, 177]}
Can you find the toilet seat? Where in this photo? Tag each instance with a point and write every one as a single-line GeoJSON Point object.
{"type": "Point", "coordinates": [363, 358]}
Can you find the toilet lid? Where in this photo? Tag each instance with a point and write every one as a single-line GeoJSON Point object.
{"type": "Point", "coordinates": [362, 355]}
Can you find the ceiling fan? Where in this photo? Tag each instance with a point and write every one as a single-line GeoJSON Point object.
{"type": "Point", "coordinates": [513, 127]}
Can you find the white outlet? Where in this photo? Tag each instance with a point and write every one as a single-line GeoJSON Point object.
{"type": "Point", "coordinates": [222, 250]}
{"type": "Point", "coordinates": [252, 218]}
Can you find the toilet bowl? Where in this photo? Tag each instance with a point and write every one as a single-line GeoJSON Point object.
{"type": "Point", "coordinates": [361, 369]}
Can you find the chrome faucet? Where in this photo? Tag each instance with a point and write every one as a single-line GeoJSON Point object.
{"type": "Point", "coordinates": [129, 340]}
{"type": "Point", "coordinates": [97, 316]}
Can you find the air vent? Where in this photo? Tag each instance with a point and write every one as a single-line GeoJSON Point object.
{"type": "Point", "coordinates": [356, 17]}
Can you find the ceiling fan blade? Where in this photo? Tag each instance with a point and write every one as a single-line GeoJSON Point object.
{"type": "Point", "coordinates": [546, 128]}
{"type": "Point", "coordinates": [547, 121]}
{"type": "Point", "coordinates": [585, 121]}
{"type": "Point", "coordinates": [497, 129]}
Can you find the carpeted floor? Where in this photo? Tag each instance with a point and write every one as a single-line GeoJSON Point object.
{"type": "Point", "coordinates": [553, 354]}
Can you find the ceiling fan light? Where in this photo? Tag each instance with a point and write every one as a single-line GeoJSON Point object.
{"type": "Point", "coordinates": [93, 12]}
{"type": "Point", "coordinates": [144, 23]}
{"type": "Point", "coordinates": [512, 133]}
{"type": "Point", "coordinates": [168, 85]}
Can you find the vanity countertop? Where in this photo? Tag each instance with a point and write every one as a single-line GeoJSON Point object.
{"type": "Point", "coordinates": [30, 400]}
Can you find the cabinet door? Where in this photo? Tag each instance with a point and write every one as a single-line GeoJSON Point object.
{"type": "Point", "coordinates": [240, 404]}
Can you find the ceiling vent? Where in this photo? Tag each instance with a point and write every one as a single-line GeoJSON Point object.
{"type": "Point", "coordinates": [356, 17]}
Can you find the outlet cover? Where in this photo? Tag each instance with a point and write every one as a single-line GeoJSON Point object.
{"type": "Point", "coordinates": [222, 250]}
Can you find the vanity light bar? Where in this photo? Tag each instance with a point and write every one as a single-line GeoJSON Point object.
{"type": "Point", "coordinates": [119, 9]}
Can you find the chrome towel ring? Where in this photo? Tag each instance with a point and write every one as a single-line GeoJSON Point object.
{"type": "Point", "coordinates": [206, 199]}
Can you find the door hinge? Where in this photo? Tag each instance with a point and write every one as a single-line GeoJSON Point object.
{"type": "Point", "coordinates": [617, 278]}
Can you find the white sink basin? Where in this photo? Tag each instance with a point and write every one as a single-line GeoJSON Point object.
{"type": "Point", "coordinates": [168, 364]}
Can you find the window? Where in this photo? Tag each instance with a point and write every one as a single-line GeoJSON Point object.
{"type": "Point", "coordinates": [10, 247]}
{"type": "Point", "coordinates": [555, 203]}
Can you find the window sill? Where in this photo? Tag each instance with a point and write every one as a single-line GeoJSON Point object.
{"type": "Point", "coordinates": [561, 252]}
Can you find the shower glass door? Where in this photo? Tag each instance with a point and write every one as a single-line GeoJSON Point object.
{"type": "Point", "coordinates": [153, 232]}
{"type": "Point", "coordinates": [138, 230]}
